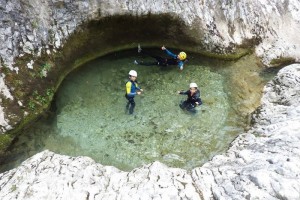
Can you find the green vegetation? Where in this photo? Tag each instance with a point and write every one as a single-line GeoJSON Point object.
{"type": "Point", "coordinates": [282, 61]}
{"type": "Point", "coordinates": [5, 140]}
{"type": "Point", "coordinates": [40, 100]}
{"type": "Point", "coordinates": [35, 24]}
{"type": "Point", "coordinates": [44, 69]}
{"type": "Point", "coordinates": [233, 56]}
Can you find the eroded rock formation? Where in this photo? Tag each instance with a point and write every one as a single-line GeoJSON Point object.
{"type": "Point", "coordinates": [38, 28]}
{"type": "Point", "coordinates": [261, 164]}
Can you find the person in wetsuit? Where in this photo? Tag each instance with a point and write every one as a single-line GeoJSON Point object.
{"type": "Point", "coordinates": [132, 89]}
{"type": "Point", "coordinates": [178, 60]}
{"type": "Point", "coordinates": [193, 99]}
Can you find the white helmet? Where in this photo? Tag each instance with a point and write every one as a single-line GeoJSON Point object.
{"type": "Point", "coordinates": [193, 85]}
{"type": "Point", "coordinates": [133, 73]}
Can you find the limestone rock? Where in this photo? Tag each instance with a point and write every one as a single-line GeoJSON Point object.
{"type": "Point", "coordinates": [264, 162]}
{"type": "Point", "coordinates": [51, 176]}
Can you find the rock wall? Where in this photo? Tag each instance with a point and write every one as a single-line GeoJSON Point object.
{"type": "Point", "coordinates": [35, 27]}
{"type": "Point", "coordinates": [261, 164]}
{"type": "Point", "coordinates": [26, 29]}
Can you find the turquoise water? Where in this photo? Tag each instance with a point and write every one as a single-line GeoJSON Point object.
{"type": "Point", "coordinates": [90, 119]}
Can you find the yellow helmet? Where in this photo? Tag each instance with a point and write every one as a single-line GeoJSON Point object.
{"type": "Point", "coordinates": [182, 55]}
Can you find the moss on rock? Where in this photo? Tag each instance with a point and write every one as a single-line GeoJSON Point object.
{"type": "Point", "coordinates": [282, 61]}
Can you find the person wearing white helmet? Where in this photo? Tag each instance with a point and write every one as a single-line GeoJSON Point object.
{"type": "Point", "coordinates": [178, 60]}
{"type": "Point", "coordinates": [132, 89]}
{"type": "Point", "coordinates": [193, 98]}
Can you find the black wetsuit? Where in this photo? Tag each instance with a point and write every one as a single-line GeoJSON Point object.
{"type": "Point", "coordinates": [190, 103]}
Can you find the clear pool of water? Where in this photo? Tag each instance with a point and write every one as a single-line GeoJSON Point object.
{"type": "Point", "coordinates": [90, 119]}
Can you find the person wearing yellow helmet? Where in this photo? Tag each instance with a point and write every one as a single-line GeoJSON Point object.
{"type": "Point", "coordinates": [182, 55]}
{"type": "Point", "coordinates": [193, 99]}
{"type": "Point", "coordinates": [178, 60]}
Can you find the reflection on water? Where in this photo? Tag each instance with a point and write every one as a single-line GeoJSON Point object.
{"type": "Point", "coordinates": [90, 119]}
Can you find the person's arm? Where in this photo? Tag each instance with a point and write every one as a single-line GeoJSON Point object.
{"type": "Point", "coordinates": [169, 52]}
{"type": "Point", "coordinates": [180, 65]}
{"type": "Point", "coordinates": [138, 88]}
{"type": "Point", "coordinates": [183, 92]}
{"type": "Point", "coordinates": [197, 98]}
{"type": "Point", "coordinates": [199, 101]}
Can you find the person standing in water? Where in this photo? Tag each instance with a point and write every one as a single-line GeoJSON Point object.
{"type": "Point", "coordinates": [193, 99]}
{"type": "Point", "coordinates": [132, 89]}
{"type": "Point", "coordinates": [178, 60]}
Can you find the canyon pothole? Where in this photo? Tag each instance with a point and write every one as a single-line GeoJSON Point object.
{"type": "Point", "coordinates": [90, 117]}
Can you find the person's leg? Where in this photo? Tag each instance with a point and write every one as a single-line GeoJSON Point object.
{"type": "Point", "coordinates": [127, 107]}
{"type": "Point", "coordinates": [159, 60]}
{"type": "Point", "coordinates": [140, 50]}
{"type": "Point", "coordinates": [146, 63]}
{"type": "Point", "coordinates": [131, 108]}
{"type": "Point", "coordinates": [191, 108]}
{"type": "Point", "coordinates": [183, 105]}
{"type": "Point", "coordinates": [132, 105]}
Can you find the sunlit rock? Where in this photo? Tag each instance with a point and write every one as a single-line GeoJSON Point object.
{"type": "Point", "coordinates": [263, 163]}
{"type": "Point", "coordinates": [51, 176]}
